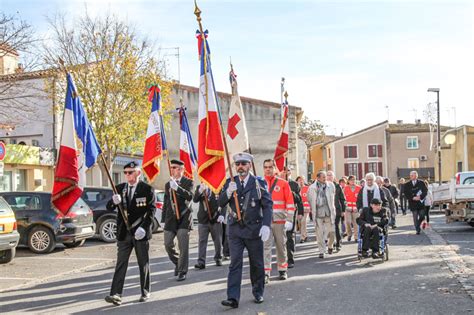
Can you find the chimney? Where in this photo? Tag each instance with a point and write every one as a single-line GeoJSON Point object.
{"type": "Point", "coordinates": [399, 122]}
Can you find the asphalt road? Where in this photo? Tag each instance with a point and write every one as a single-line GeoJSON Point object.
{"type": "Point", "coordinates": [416, 280]}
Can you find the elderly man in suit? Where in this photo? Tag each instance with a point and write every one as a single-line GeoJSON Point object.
{"type": "Point", "coordinates": [136, 202]}
{"type": "Point", "coordinates": [321, 196]}
{"type": "Point", "coordinates": [415, 192]}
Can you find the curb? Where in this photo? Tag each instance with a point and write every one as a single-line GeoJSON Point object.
{"type": "Point", "coordinates": [456, 265]}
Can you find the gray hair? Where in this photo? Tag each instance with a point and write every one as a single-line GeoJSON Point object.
{"type": "Point", "coordinates": [321, 173]}
{"type": "Point", "coordinates": [370, 175]}
{"type": "Point", "coordinates": [331, 173]}
{"type": "Point", "coordinates": [414, 172]}
{"type": "Point", "coordinates": [379, 178]}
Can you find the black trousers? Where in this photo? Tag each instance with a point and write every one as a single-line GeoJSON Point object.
{"type": "Point", "coordinates": [123, 254]}
{"type": "Point", "coordinates": [418, 217]}
{"type": "Point", "coordinates": [371, 238]}
{"type": "Point", "coordinates": [257, 273]}
{"type": "Point", "coordinates": [338, 229]}
{"type": "Point", "coordinates": [403, 204]}
{"type": "Point", "coordinates": [225, 241]}
{"type": "Point", "coordinates": [290, 246]}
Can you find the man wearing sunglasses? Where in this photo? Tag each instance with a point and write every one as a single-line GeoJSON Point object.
{"type": "Point", "coordinates": [250, 232]}
{"type": "Point", "coordinates": [178, 193]}
{"type": "Point", "coordinates": [137, 200]}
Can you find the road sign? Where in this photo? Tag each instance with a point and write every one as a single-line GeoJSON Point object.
{"type": "Point", "coordinates": [3, 151]}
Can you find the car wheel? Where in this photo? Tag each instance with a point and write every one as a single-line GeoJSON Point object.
{"type": "Point", "coordinates": [471, 224]}
{"type": "Point", "coordinates": [7, 255]}
{"type": "Point", "coordinates": [41, 240]}
{"type": "Point", "coordinates": [108, 230]}
{"type": "Point", "coordinates": [74, 244]}
{"type": "Point", "coordinates": [155, 226]}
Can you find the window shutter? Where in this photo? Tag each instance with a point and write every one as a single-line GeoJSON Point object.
{"type": "Point", "coordinates": [346, 169]}
{"type": "Point", "coordinates": [379, 150]}
{"type": "Point", "coordinates": [380, 168]}
{"type": "Point", "coordinates": [359, 169]}
{"type": "Point", "coordinates": [356, 154]}
{"type": "Point", "coordinates": [366, 167]}
{"type": "Point", "coordinates": [346, 152]}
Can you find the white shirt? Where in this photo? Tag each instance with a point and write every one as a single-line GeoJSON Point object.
{"type": "Point", "coordinates": [246, 179]}
{"type": "Point", "coordinates": [134, 187]}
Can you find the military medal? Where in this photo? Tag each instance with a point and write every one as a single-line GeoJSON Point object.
{"type": "Point", "coordinates": [252, 203]}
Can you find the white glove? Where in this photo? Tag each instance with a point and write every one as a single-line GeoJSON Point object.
{"type": "Point", "coordinates": [220, 219]}
{"type": "Point", "coordinates": [116, 199]}
{"type": "Point", "coordinates": [264, 233]}
{"type": "Point", "coordinates": [202, 188]}
{"type": "Point", "coordinates": [173, 184]}
{"type": "Point", "coordinates": [288, 226]}
{"type": "Point", "coordinates": [140, 233]}
{"type": "Point", "coordinates": [231, 188]}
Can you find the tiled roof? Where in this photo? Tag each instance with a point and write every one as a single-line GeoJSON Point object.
{"type": "Point", "coordinates": [403, 128]}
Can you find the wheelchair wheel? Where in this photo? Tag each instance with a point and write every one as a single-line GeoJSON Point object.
{"type": "Point", "coordinates": [386, 252]}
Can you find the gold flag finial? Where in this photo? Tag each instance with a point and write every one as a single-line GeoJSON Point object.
{"type": "Point", "coordinates": [286, 96]}
{"type": "Point", "coordinates": [197, 11]}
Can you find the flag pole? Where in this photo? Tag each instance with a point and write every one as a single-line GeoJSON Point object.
{"type": "Point", "coordinates": [173, 192]}
{"type": "Point", "coordinates": [124, 214]}
{"type": "Point", "coordinates": [197, 12]}
{"type": "Point", "coordinates": [283, 125]}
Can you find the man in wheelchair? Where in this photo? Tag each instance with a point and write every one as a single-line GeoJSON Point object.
{"type": "Point", "coordinates": [373, 222]}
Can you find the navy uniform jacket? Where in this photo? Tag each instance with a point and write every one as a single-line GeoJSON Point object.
{"type": "Point", "coordinates": [184, 195]}
{"type": "Point", "coordinates": [257, 212]}
{"type": "Point", "coordinates": [141, 209]}
{"type": "Point", "coordinates": [411, 191]}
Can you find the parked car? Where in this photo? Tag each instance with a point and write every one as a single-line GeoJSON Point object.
{"type": "Point", "coordinates": [105, 220]}
{"type": "Point", "coordinates": [9, 235]}
{"type": "Point", "coordinates": [41, 227]}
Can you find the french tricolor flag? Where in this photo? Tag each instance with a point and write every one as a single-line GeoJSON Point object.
{"type": "Point", "coordinates": [187, 153]}
{"type": "Point", "coordinates": [211, 165]}
{"type": "Point", "coordinates": [78, 152]}
{"type": "Point", "coordinates": [155, 143]}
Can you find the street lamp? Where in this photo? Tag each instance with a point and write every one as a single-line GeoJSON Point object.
{"type": "Point", "coordinates": [436, 90]}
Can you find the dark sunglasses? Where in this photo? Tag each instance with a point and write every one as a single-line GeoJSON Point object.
{"type": "Point", "coordinates": [174, 167]}
{"type": "Point", "coordinates": [128, 172]}
{"type": "Point", "coordinates": [241, 163]}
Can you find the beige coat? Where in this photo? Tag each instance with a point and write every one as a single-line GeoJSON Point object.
{"type": "Point", "coordinates": [330, 196]}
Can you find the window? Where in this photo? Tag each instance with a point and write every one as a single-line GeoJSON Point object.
{"type": "Point", "coordinates": [459, 166]}
{"type": "Point", "coordinates": [351, 169]}
{"type": "Point", "coordinates": [373, 167]}
{"type": "Point", "coordinates": [374, 150]}
{"type": "Point", "coordinates": [413, 163]}
{"type": "Point", "coordinates": [350, 152]}
{"type": "Point", "coordinates": [412, 142]}
{"type": "Point", "coordinates": [24, 202]}
{"type": "Point", "coordinates": [116, 178]}
{"type": "Point", "coordinates": [329, 153]}
{"type": "Point", "coordinates": [20, 180]}
{"type": "Point", "coordinates": [6, 181]}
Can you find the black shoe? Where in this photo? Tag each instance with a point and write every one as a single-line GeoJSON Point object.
{"type": "Point", "coordinates": [283, 275]}
{"type": "Point", "coordinates": [303, 240]}
{"type": "Point", "coordinates": [321, 255]}
{"type": "Point", "coordinates": [176, 271]}
{"type": "Point", "coordinates": [394, 227]}
{"type": "Point", "coordinates": [330, 251]}
{"type": "Point", "coordinates": [349, 238]}
{"type": "Point", "coordinates": [291, 265]}
{"type": "Point", "coordinates": [258, 299]}
{"type": "Point", "coordinates": [267, 279]}
{"type": "Point", "coordinates": [199, 266]}
{"type": "Point", "coordinates": [374, 255]}
{"type": "Point", "coordinates": [181, 276]}
{"type": "Point", "coordinates": [115, 299]}
{"type": "Point", "coordinates": [338, 248]}
{"type": "Point", "coordinates": [230, 303]}
{"type": "Point", "coordinates": [218, 262]}
{"type": "Point", "coordinates": [226, 257]}
{"type": "Point", "coordinates": [365, 254]}
{"type": "Point", "coordinates": [356, 240]}
{"type": "Point", "coordinates": [144, 298]}
{"type": "Point", "coordinates": [418, 232]}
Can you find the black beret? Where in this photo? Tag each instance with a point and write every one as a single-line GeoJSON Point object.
{"type": "Point", "coordinates": [177, 162]}
{"type": "Point", "coordinates": [132, 164]}
{"type": "Point", "coordinates": [376, 201]}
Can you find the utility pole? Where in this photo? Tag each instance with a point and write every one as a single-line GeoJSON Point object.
{"type": "Point", "coordinates": [436, 90]}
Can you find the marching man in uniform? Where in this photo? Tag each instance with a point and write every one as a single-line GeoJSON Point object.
{"type": "Point", "coordinates": [283, 214]}
{"type": "Point", "coordinates": [137, 200]}
{"type": "Point", "coordinates": [181, 187]}
{"type": "Point", "coordinates": [250, 232]}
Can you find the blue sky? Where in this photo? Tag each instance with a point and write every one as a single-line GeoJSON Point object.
{"type": "Point", "coordinates": [344, 61]}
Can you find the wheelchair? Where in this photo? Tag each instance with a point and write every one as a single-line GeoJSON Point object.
{"type": "Point", "coordinates": [383, 244]}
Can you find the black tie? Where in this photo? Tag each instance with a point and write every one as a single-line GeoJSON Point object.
{"type": "Point", "coordinates": [242, 183]}
{"type": "Point", "coordinates": [130, 194]}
